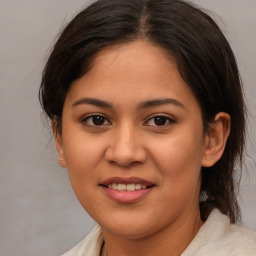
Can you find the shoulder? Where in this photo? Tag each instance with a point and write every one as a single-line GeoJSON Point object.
{"type": "Point", "coordinates": [89, 246]}
{"type": "Point", "coordinates": [218, 237]}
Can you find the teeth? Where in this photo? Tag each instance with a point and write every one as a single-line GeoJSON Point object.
{"type": "Point", "coordinates": [130, 187]}
{"type": "Point", "coordinates": [114, 186]}
{"type": "Point", "coordinates": [127, 187]}
{"type": "Point", "coordinates": [138, 186]}
{"type": "Point", "coordinates": [121, 187]}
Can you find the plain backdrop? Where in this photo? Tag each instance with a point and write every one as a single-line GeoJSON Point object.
{"type": "Point", "coordinates": [39, 213]}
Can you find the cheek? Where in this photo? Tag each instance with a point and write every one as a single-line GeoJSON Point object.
{"type": "Point", "coordinates": [83, 156]}
{"type": "Point", "coordinates": [179, 164]}
{"type": "Point", "coordinates": [179, 156]}
{"type": "Point", "coordinates": [82, 152]}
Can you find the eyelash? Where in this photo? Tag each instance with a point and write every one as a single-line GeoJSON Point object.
{"type": "Point", "coordinates": [166, 119]}
{"type": "Point", "coordinates": [88, 120]}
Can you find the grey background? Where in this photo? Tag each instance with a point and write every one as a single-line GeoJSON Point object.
{"type": "Point", "coordinates": [39, 213]}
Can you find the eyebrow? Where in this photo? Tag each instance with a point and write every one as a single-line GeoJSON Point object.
{"type": "Point", "coordinates": [159, 102]}
{"type": "Point", "coordinates": [146, 104]}
{"type": "Point", "coordinates": [92, 101]}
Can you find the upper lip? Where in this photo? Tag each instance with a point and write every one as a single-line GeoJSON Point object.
{"type": "Point", "coordinates": [129, 180]}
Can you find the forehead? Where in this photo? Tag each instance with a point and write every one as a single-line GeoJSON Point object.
{"type": "Point", "coordinates": [138, 54]}
{"type": "Point", "coordinates": [137, 71]}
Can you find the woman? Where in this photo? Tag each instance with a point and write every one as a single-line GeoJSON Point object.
{"type": "Point", "coordinates": [148, 116]}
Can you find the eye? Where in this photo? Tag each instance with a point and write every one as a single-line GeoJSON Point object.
{"type": "Point", "coordinates": [159, 121]}
{"type": "Point", "coordinates": [95, 120]}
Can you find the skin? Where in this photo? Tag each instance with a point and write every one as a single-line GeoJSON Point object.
{"type": "Point", "coordinates": [129, 142]}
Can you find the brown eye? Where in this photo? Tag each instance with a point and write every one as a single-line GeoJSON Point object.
{"type": "Point", "coordinates": [159, 121]}
{"type": "Point", "coordinates": [96, 120]}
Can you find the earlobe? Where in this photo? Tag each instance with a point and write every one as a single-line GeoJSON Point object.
{"type": "Point", "coordinates": [216, 139]}
{"type": "Point", "coordinates": [62, 161]}
{"type": "Point", "coordinates": [59, 144]}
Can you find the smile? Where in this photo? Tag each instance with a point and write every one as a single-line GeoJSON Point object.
{"type": "Point", "coordinates": [127, 187]}
{"type": "Point", "coordinates": [127, 190]}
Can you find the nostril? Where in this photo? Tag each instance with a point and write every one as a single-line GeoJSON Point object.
{"type": "Point", "coordinates": [125, 156]}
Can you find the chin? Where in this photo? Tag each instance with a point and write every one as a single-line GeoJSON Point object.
{"type": "Point", "coordinates": [131, 227]}
{"type": "Point", "coordinates": [130, 231]}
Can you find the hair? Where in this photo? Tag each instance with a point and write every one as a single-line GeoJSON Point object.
{"type": "Point", "coordinates": [204, 59]}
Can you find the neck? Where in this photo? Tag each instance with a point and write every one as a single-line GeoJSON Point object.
{"type": "Point", "coordinates": [170, 240]}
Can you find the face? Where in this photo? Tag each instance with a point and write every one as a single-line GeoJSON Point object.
{"type": "Point", "coordinates": [133, 141]}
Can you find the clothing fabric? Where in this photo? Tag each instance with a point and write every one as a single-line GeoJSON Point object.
{"type": "Point", "coordinates": [217, 237]}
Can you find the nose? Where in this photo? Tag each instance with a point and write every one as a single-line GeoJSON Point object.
{"type": "Point", "coordinates": [126, 147]}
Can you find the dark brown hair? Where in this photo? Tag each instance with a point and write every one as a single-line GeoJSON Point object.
{"type": "Point", "coordinates": [204, 58]}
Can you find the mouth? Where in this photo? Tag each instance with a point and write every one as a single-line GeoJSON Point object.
{"type": "Point", "coordinates": [127, 187]}
{"type": "Point", "coordinates": [127, 190]}
{"type": "Point", "coordinates": [127, 184]}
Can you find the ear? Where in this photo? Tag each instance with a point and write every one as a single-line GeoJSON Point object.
{"type": "Point", "coordinates": [58, 143]}
{"type": "Point", "coordinates": [216, 138]}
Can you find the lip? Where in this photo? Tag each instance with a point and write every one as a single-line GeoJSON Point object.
{"type": "Point", "coordinates": [127, 196]}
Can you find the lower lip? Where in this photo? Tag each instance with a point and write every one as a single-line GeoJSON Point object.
{"type": "Point", "coordinates": [127, 196]}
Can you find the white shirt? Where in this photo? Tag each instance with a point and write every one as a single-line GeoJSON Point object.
{"type": "Point", "coordinates": [217, 237]}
